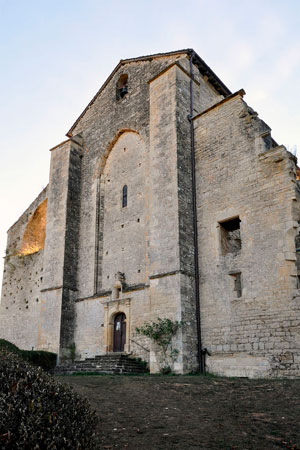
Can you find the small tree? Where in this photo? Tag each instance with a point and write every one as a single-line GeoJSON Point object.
{"type": "Point", "coordinates": [162, 332]}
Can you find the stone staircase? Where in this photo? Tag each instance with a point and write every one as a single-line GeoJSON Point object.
{"type": "Point", "coordinates": [113, 363]}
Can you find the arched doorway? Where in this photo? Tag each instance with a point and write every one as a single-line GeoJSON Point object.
{"type": "Point", "coordinates": [119, 332]}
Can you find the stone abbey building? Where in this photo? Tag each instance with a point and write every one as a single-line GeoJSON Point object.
{"type": "Point", "coordinates": [168, 199]}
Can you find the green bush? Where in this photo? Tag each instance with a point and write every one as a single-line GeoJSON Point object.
{"type": "Point", "coordinates": [162, 332]}
{"type": "Point", "coordinates": [37, 412]}
{"type": "Point", "coordinates": [45, 360]}
{"type": "Point", "coordinates": [9, 346]}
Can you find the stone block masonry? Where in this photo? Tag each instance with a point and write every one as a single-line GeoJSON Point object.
{"type": "Point", "coordinates": [119, 224]}
{"type": "Point", "coordinates": [244, 180]}
{"type": "Point", "coordinates": [22, 279]}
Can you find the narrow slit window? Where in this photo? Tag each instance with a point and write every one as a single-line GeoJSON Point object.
{"type": "Point", "coordinates": [124, 196]}
{"type": "Point", "coordinates": [238, 288]}
{"type": "Point", "coordinates": [238, 284]}
{"type": "Point", "coordinates": [297, 248]}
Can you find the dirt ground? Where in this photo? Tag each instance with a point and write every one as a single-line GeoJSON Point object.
{"type": "Point", "coordinates": [192, 412]}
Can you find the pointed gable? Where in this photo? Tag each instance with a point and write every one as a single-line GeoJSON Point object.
{"type": "Point", "coordinates": [204, 69]}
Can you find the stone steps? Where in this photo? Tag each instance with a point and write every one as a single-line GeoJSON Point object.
{"type": "Point", "coordinates": [110, 364]}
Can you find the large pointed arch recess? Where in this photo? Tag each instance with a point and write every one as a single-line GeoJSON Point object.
{"type": "Point", "coordinates": [35, 232]}
{"type": "Point", "coordinates": [113, 142]}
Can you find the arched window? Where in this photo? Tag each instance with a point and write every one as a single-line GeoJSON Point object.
{"type": "Point", "coordinates": [124, 196]}
{"type": "Point", "coordinates": [122, 86]}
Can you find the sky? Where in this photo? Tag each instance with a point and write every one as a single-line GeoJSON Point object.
{"type": "Point", "coordinates": [56, 54]}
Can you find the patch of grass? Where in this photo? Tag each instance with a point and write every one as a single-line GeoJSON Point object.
{"type": "Point", "coordinates": [84, 374]}
{"type": "Point", "coordinates": [91, 374]}
{"type": "Point", "coordinates": [194, 411]}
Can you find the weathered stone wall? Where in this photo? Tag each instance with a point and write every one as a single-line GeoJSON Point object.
{"type": "Point", "coordinates": [152, 125]}
{"type": "Point", "coordinates": [238, 175]}
{"type": "Point", "coordinates": [101, 258]}
{"type": "Point", "coordinates": [56, 328]}
{"type": "Point", "coordinates": [100, 127]}
{"type": "Point", "coordinates": [185, 205]}
{"type": "Point", "coordinates": [125, 229]}
{"type": "Point", "coordinates": [20, 306]}
{"type": "Point", "coordinates": [95, 318]}
{"type": "Point", "coordinates": [135, 240]}
{"type": "Point", "coordinates": [22, 279]}
{"type": "Point", "coordinates": [169, 138]}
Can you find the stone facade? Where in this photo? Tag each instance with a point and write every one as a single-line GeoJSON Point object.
{"type": "Point", "coordinates": [122, 213]}
{"type": "Point", "coordinates": [22, 281]}
{"type": "Point", "coordinates": [243, 177]}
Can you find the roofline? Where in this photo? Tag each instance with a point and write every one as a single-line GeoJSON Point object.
{"type": "Point", "coordinates": [155, 55]}
{"type": "Point", "coordinates": [176, 63]}
{"type": "Point", "coordinates": [239, 93]}
{"type": "Point", "coordinates": [204, 69]}
{"type": "Point", "coordinates": [202, 66]}
{"type": "Point", "coordinates": [43, 191]}
{"type": "Point", "coordinates": [58, 145]}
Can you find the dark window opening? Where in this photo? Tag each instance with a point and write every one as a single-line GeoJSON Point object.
{"type": "Point", "coordinates": [237, 277]}
{"type": "Point", "coordinates": [231, 236]}
{"type": "Point", "coordinates": [122, 86]}
{"type": "Point", "coordinates": [297, 246]}
{"type": "Point", "coordinates": [124, 196]}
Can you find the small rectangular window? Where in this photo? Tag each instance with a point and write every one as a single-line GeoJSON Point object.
{"type": "Point", "coordinates": [297, 248]}
{"type": "Point", "coordinates": [238, 284]}
{"type": "Point", "coordinates": [237, 278]}
{"type": "Point", "coordinates": [230, 236]}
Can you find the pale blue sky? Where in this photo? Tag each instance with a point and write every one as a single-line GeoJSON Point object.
{"type": "Point", "coordinates": [56, 54]}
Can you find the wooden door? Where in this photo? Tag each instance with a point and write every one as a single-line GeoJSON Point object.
{"type": "Point", "coordinates": [119, 332]}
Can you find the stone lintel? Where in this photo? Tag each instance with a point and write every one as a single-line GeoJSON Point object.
{"type": "Point", "coordinates": [167, 274]}
{"type": "Point", "coordinates": [59, 287]}
{"type": "Point", "coordinates": [100, 294]}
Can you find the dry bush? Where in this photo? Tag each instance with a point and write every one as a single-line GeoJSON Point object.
{"type": "Point", "coordinates": [37, 412]}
